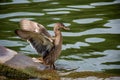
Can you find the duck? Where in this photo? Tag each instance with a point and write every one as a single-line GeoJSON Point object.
{"type": "Point", "coordinates": [49, 47]}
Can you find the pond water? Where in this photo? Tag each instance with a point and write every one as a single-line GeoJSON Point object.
{"type": "Point", "coordinates": [92, 44]}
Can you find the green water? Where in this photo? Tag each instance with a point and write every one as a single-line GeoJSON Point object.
{"type": "Point", "coordinates": [92, 44]}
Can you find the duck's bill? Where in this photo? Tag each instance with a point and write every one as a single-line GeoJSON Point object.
{"type": "Point", "coordinates": [66, 28]}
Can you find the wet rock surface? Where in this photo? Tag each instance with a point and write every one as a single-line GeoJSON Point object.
{"type": "Point", "coordinates": [17, 60]}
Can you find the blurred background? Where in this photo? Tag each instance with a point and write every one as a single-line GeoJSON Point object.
{"type": "Point", "coordinates": [92, 44]}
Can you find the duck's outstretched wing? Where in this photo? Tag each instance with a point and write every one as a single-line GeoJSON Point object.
{"type": "Point", "coordinates": [34, 27]}
{"type": "Point", "coordinates": [40, 42]}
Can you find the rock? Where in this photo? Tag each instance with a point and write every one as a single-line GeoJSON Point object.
{"type": "Point", "coordinates": [17, 60]}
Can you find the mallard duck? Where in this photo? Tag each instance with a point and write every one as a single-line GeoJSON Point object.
{"type": "Point", "coordinates": [37, 35]}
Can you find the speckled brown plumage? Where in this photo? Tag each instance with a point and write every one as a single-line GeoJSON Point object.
{"type": "Point", "coordinates": [49, 47]}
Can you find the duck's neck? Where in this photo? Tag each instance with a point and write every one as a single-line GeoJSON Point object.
{"type": "Point", "coordinates": [57, 33]}
{"type": "Point", "coordinates": [58, 37]}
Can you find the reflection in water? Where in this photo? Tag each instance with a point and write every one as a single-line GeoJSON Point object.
{"type": "Point", "coordinates": [94, 40]}
{"type": "Point", "coordinates": [59, 12]}
{"type": "Point", "coordinates": [81, 6]}
{"type": "Point", "coordinates": [15, 2]}
{"type": "Point", "coordinates": [61, 9]}
{"type": "Point", "coordinates": [92, 63]}
{"type": "Point", "coordinates": [114, 24]}
{"type": "Point", "coordinates": [56, 18]}
{"type": "Point", "coordinates": [99, 14]}
{"type": "Point", "coordinates": [118, 46]}
{"type": "Point", "coordinates": [39, 0]}
{"type": "Point", "coordinates": [20, 14]}
{"type": "Point", "coordinates": [105, 3]}
{"type": "Point", "coordinates": [86, 21]}
{"type": "Point", "coordinates": [54, 3]}
{"type": "Point", "coordinates": [9, 43]}
{"type": "Point", "coordinates": [22, 1]}
{"type": "Point", "coordinates": [76, 45]}
{"type": "Point", "coordinates": [92, 78]}
{"type": "Point", "coordinates": [72, 57]}
{"type": "Point", "coordinates": [28, 49]}
{"type": "Point", "coordinates": [18, 19]}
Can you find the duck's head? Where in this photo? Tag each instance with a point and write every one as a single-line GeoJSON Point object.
{"type": "Point", "coordinates": [60, 26]}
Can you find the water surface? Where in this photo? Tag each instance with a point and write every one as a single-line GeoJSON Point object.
{"type": "Point", "coordinates": [92, 44]}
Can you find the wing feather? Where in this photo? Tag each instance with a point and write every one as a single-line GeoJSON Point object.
{"type": "Point", "coordinates": [39, 41]}
{"type": "Point", "coordinates": [34, 27]}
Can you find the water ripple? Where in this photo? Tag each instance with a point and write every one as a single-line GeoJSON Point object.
{"type": "Point", "coordinates": [81, 6]}
{"type": "Point", "coordinates": [19, 19]}
{"type": "Point", "coordinates": [59, 12]}
{"type": "Point", "coordinates": [28, 49]}
{"type": "Point", "coordinates": [113, 24]}
{"type": "Point", "coordinates": [87, 20]}
{"type": "Point", "coordinates": [8, 43]}
{"type": "Point", "coordinates": [22, 2]}
{"type": "Point", "coordinates": [92, 78]}
{"type": "Point", "coordinates": [105, 3]}
{"type": "Point", "coordinates": [61, 9]}
{"type": "Point", "coordinates": [94, 40]}
{"type": "Point", "coordinates": [93, 64]}
{"type": "Point", "coordinates": [118, 46]}
{"type": "Point", "coordinates": [20, 14]}
{"type": "Point", "coordinates": [55, 18]}
{"type": "Point", "coordinates": [54, 3]}
{"type": "Point", "coordinates": [76, 45]}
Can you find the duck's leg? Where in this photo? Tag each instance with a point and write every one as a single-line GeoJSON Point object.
{"type": "Point", "coordinates": [52, 66]}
